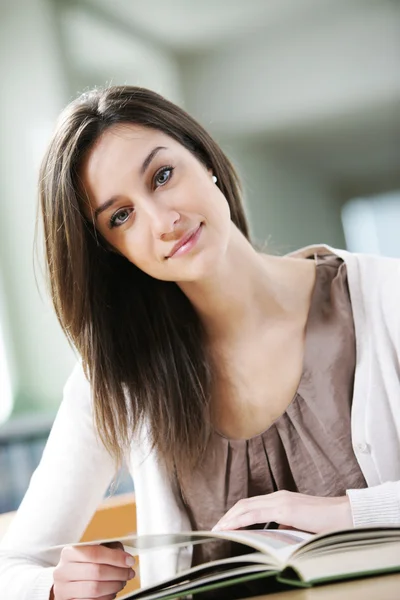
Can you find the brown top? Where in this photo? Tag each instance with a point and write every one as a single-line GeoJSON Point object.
{"type": "Point", "coordinates": [308, 449]}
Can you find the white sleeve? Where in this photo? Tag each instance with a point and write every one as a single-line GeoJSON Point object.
{"type": "Point", "coordinates": [378, 505]}
{"type": "Point", "coordinates": [63, 495]}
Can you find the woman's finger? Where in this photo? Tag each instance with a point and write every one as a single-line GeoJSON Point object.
{"type": "Point", "coordinates": [93, 589]}
{"type": "Point", "coordinates": [97, 554]}
{"type": "Point", "coordinates": [272, 507]}
{"type": "Point", "coordinates": [79, 571]}
{"type": "Point", "coordinates": [250, 517]}
{"type": "Point", "coordinates": [108, 597]}
{"type": "Point", "coordinates": [249, 503]}
{"type": "Point", "coordinates": [265, 504]}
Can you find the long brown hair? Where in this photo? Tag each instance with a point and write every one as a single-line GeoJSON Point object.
{"type": "Point", "coordinates": [142, 344]}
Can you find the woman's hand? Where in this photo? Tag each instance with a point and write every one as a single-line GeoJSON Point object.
{"type": "Point", "coordinates": [306, 513]}
{"type": "Point", "coordinates": [88, 572]}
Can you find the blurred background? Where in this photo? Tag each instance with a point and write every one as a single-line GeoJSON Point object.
{"type": "Point", "coordinates": [303, 96]}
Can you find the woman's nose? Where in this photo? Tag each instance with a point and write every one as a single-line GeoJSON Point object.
{"type": "Point", "coordinates": [163, 221]}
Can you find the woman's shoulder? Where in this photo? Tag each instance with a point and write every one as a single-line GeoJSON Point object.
{"type": "Point", "coordinates": [77, 388]}
{"type": "Point", "coordinates": [365, 265]}
{"type": "Point", "coordinates": [374, 281]}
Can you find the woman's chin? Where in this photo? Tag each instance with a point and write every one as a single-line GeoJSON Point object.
{"type": "Point", "coordinates": [201, 268]}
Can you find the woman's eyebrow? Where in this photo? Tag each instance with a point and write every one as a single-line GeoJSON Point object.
{"type": "Point", "coordinates": [150, 157]}
{"type": "Point", "coordinates": [104, 206]}
{"type": "Point", "coordinates": [144, 167]}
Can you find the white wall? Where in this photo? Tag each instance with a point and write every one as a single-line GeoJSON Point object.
{"type": "Point", "coordinates": [371, 224]}
{"type": "Point", "coordinates": [308, 69]}
{"type": "Point", "coordinates": [99, 54]}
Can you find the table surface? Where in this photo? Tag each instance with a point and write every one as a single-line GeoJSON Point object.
{"type": "Point", "coordinates": [386, 587]}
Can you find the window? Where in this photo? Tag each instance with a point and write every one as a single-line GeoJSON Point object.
{"type": "Point", "coordinates": [372, 225]}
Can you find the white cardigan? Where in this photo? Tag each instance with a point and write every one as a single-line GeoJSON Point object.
{"type": "Point", "coordinates": [75, 469]}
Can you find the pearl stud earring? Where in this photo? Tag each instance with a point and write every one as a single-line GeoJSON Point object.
{"type": "Point", "coordinates": [214, 179]}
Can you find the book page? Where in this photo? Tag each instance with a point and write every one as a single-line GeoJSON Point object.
{"type": "Point", "coordinates": [348, 537]}
{"type": "Point", "coordinates": [140, 544]}
{"type": "Point", "coordinates": [202, 583]}
{"type": "Point", "coordinates": [279, 543]}
{"type": "Point", "coordinates": [361, 560]}
{"type": "Point", "coordinates": [208, 572]}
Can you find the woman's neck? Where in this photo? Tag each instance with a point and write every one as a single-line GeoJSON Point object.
{"type": "Point", "coordinates": [248, 289]}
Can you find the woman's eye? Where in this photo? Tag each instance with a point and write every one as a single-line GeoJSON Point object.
{"type": "Point", "coordinates": [120, 217]}
{"type": "Point", "coordinates": [163, 176]}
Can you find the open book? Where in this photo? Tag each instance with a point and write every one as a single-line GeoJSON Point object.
{"type": "Point", "coordinates": [270, 558]}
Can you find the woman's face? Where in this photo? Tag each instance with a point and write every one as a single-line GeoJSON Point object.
{"type": "Point", "coordinates": [156, 204]}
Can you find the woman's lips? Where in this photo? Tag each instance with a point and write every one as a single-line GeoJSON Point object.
{"type": "Point", "coordinates": [186, 243]}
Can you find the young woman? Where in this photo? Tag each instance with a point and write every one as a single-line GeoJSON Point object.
{"type": "Point", "coordinates": [242, 388]}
